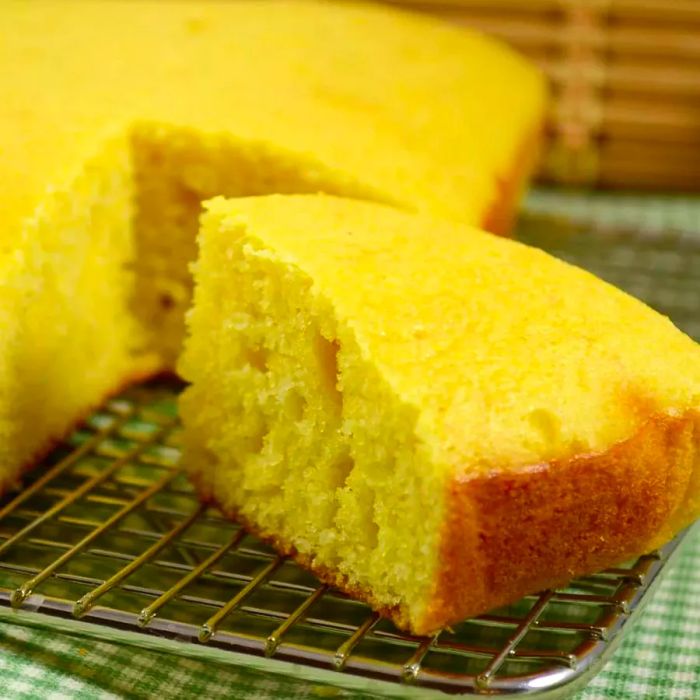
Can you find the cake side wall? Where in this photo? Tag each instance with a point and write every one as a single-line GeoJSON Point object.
{"type": "Point", "coordinates": [500, 216]}
{"type": "Point", "coordinates": [540, 527]}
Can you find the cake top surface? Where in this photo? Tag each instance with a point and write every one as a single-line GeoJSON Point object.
{"type": "Point", "coordinates": [414, 111]}
{"type": "Point", "coordinates": [510, 356]}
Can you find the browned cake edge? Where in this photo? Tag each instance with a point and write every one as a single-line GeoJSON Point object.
{"type": "Point", "coordinates": [511, 534]}
{"type": "Point", "coordinates": [501, 214]}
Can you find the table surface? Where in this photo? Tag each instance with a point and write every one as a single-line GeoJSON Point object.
{"type": "Point", "coordinates": [660, 657]}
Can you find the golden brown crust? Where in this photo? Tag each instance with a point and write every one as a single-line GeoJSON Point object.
{"type": "Point", "coordinates": [512, 533]}
{"type": "Point", "coordinates": [500, 217]}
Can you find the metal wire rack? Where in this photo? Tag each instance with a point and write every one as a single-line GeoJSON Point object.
{"type": "Point", "coordinates": [107, 533]}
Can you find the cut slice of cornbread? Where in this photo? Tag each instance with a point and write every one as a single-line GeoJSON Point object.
{"type": "Point", "coordinates": [436, 420]}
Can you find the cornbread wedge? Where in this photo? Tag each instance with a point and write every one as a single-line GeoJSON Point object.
{"type": "Point", "coordinates": [435, 420]}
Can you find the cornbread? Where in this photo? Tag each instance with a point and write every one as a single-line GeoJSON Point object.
{"type": "Point", "coordinates": [255, 97]}
{"type": "Point", "coordinates": [433, 419]}
{"type": "Point", "coordinates": [117, 118]}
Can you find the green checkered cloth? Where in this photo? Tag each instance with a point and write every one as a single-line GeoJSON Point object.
{"type": "Point", "coordinates": [660, 657]}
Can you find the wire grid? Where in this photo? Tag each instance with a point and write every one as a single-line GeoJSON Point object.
{"type": "Point", "coordinates": [108, 530]}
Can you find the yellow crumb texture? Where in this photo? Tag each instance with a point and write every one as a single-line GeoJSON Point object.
{"type": "Point", "coordinates": [68, 337]}
{"type": "Point", "coordinates": [118, 118]}
{"type": "Point", "coordinates": [347, 361]}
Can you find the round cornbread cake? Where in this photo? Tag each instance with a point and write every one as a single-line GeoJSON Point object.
{"type": "Point", "coordinates": [118, 118]}
{"type": "Point", "coordinates": [431, 418]}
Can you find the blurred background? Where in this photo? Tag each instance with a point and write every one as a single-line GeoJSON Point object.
{"type": "Point", "coordinates": [625, 76]}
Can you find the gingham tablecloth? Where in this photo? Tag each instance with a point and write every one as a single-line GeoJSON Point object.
{"type": "Point", "coordinates": [660, 657]}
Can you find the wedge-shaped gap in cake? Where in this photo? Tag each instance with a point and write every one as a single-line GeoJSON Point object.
{"type": "Point", "coordinates": [175, 169]}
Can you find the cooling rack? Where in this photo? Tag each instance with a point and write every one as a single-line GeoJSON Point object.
{"type": "Point", "coordinates": [107, 539]}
